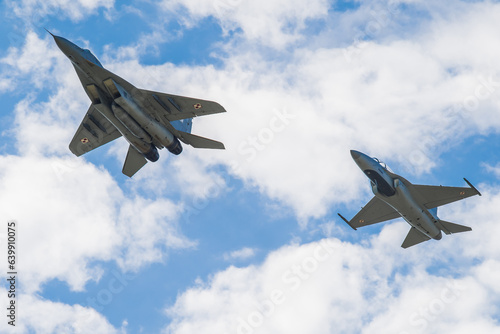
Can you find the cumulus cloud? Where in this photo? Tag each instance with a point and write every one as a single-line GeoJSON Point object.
{"type": "Point", "coordinates": [240, 254]}
{"type": "Point", "coordinates": [30, 63]}
{"type": "Point", "coordinates": [372, 287]}
{"type": "Point", "coordinates": [495, 170]}
{"type": "Point", "coordinates": [292, 120]}
{"type": "Point", "coordinates": [34, 10]}
{"type": "Point", "coordinates": [78, 216]}
{"type": "Point", "coordinates": [273, 23]}
{"type": "Point", "coordinates": [284, 120]}
{"type": "Point", "coordinates": [45, 316]}
{"type": "Point", "coordinates": [301, 114]}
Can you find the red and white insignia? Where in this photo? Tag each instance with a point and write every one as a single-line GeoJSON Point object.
{"type": "Point", "coordinates": [197, 106]}
{"type": "Point", "coordinates": [84, 140]}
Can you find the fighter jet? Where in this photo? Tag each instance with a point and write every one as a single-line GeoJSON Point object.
{"type": "Point", "coordinates": [396, 197]}
{"type": "Point", "coordinates": [147, 120]}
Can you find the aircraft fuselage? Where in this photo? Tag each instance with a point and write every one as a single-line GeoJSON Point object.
{"type": "Point", "coordinates": [393, 190]}
{"type": "Point", "coordinates": [115, 99]}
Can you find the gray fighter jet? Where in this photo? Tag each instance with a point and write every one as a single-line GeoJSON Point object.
{"type": "Point", "coordinates": [396, 197]}
{"type": "Point", "coordinates": [147, 120]}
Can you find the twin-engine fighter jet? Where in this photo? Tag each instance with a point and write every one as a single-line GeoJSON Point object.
{"type": "Point", "coordinates": [396, 197]}
{"type": "Point", "coordinates": [147, 120]}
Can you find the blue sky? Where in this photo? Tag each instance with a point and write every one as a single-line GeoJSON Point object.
{"type": "Point", "coordinates": [247, 240]}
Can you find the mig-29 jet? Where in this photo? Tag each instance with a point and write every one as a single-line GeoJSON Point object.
{"type": "Point", "coordinates": [396, 197]}
{"type": "Point", "coordinates": [147, 120]}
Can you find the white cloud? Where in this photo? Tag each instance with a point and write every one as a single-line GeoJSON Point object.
{"type": "Point", "coordinates": [33, 11]}
{"type": "Point", "coordinates": [314, 287]}
{"type": "Point", "coordinates": [77, 215]}
{"type": "Point", "coordinates": [372, 287]}
{"type": "Point", "coordinates": [288, 131]}
{"type": "Point", "coordinates": [495, 170]}
{"type": "Point", "coordinates": [273, 23]}
{"type": "Point", "coordinates": [291, 122]}
{"type": "Point", "coordinates": [406, 99]}
{"type": "Point", "coordinates": [240, 254]}
{"type": "Point", "coordinates": [35, 314]}
{"type": "Point", "coordinates": [32, 62]}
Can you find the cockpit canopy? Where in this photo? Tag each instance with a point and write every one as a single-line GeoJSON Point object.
{"type": "Point", "coordinates": [90, 57]}
{"type": "Point", "coordinates": [383, 164]}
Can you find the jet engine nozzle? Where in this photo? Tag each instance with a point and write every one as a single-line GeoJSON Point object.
{"type": "Point", "coordinates": [152, 155]}
{"type": "Point", "coordinates": [175, 147]}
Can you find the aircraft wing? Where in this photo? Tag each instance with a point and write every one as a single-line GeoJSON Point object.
{"type": "Point", "coordinates": [176, 107]}
{"type": "Point", "coordinates": [435, 196]}
{"type": "Point", "coordinates": [94, 131]}
{"type": "Point", "coordinates": [376, 211]}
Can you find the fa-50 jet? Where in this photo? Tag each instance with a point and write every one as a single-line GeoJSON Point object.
{"type": "Point", "coordinates": [147, 120]}
{"type": "Point", "coordinates": [396, 197]}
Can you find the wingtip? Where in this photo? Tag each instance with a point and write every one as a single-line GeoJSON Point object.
{"type": "Point", "coordinates": [470, 185]}
{"type": "Point", "coordinates": [347, 222]}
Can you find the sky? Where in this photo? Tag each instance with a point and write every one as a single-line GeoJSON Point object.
{"type": "Point", "coordinates": [247, 239]}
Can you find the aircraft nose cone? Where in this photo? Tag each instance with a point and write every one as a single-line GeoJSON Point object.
{"type": "Point", "coordinates": [62, 43]}
{"type": "Point", "coordinates": [355, 154]}
{"type": "Point", "coordinates": [47, 30]}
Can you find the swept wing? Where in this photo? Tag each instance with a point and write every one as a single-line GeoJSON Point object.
{"type": "Point", "coordinates": [375, 211]}
{"type": "Point", "coordinates": [170, 107]}
{"type": "Point", "coordinates": [175, 107]}
{"type": "Point", "coordinates": [435, 196]}
{"type": "Point", "coordinates": [94, 131]}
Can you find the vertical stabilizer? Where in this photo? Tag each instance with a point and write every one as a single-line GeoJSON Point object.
{"type": "Point", "coordinates": [133, 162]}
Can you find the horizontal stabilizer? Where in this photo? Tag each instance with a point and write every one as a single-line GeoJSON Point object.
{"type": "Point", "coordinates": [133, 162]}
{"type": "Point", "coordinates": [450, 228]}
{"type": "Point", "coordinates": [414, 237]}
{"type": "Point", "coordinates": [199, 142]}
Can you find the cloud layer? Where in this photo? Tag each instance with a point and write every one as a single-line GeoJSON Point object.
{"type": "Point", "coordinates": [376, 286]}
{"type": "Point", "coordinates": [299, 96]}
